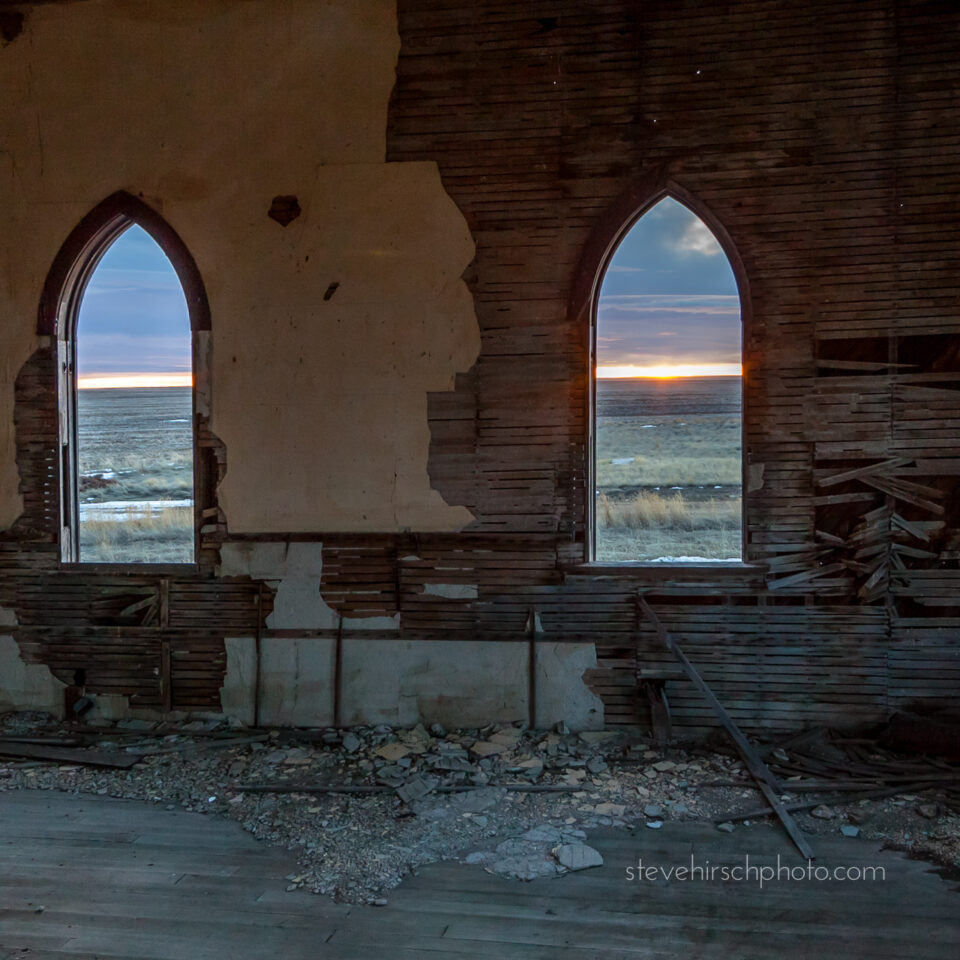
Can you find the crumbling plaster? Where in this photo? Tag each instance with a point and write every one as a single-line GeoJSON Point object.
{"type": "Point", "coordinates": [404, 682]}
{"type": "Point", "coordinates": [208, 111]}
{"type": "Point", "coordinates": [26, 686]}
{"type": "Point", "coordinates": [387, 679]}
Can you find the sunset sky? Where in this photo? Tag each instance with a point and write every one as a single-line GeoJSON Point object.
{"type": "Point", "coordinates": [668, 303]}
{"type": "Point", "coordinates": [668, 307]}
{"type": "Point", "coordinates": [133, 328]}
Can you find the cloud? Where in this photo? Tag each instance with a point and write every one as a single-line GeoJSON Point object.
{"type": "Point", "coordinates": [655, 329]}
{"type": "Point", "coordinates": [697, 238]}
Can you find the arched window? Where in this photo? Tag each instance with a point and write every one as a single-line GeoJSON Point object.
{"type": "Point", "coordinates": [126, 305]}
{"type": "Point", "coordinates": [667, 352]}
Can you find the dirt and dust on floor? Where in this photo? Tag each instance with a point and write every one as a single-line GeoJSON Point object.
{"type": "Point", "coordinates": [363, 807]}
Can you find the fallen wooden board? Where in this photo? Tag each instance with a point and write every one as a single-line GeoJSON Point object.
{"type": "Point", "coordinates": [382, 788]}
{"type": "Point", "coordinates": [88, 758]}
{"type": "Point", "coordinates": [758, 769]}
{"type": "Point", "coordinates": [826, 801]}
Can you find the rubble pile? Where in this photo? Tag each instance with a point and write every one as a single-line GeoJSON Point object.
{"type": "Point", "coordinates": [365, 806]}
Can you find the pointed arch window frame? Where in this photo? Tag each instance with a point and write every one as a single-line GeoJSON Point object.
{"type": "Point", "coordinates": [604, 241]}
{"type": "Point", "coordinates": [57, 318]}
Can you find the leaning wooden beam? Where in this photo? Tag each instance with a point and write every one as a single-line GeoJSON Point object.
{"type": "Point", "coordinates": [758, 769]}
{"type": "Point", "coordinates": [534, 632]}
{"type": "Point", "coordinates": [866, 471]}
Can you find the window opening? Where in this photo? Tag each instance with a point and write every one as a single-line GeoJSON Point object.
{"type": "Point", "coordinates": [132, 403]}
{"type": "Point", "coordinates": [667, 396]}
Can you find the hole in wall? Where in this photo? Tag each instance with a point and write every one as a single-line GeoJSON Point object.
{"type": "Point", "coordinates": [284, 209]}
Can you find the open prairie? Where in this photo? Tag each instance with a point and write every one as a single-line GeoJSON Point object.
{"type": "Point", "coordinates": [668, 480]}
{"type": "Point", "coordinates": [135, 456]}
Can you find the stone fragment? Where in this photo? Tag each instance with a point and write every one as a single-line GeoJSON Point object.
{"type": "Point", "coordinates": [655, 824]}
{"type": "Point", "coordinates": [609, 809]}
{"type": "Point", "coordinates": [652, 810]}
{"type": "Point", "coordinates": [577, 856]}
{"type": "Point", "coordinates": [822, 812]}
{"type": "Point", "coordinates": [849, 830]}
{"type": "Point", "coordinates": [596, 765]}
{"type": "Point", "coordinates": [486, 748]}
{"type": "Point", "coordinates": [664, 765]}
{"type": "Point", "coordinates": [929, 810]}
{"type": "Point", "coordinates": [726, 827]}
{"type": "Point", "coordinates": [351, 742]}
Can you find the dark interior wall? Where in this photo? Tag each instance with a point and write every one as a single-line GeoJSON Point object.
{"type": "Point", "coordinates": [823, 138]}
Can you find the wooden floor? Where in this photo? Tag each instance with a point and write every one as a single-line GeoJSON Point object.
{"type": "Point", "coordinates": [126, 879]}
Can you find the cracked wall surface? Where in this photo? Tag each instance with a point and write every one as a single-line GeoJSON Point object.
{"type": "Point", "coordinates": [322, 403]}
{"type": "Point", "coordinates": [404, 682]}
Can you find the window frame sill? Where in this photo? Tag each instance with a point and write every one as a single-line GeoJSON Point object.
{"type": "Point", "coordinates": [130, 568]}
{"type": "Point", "coordinates": [647, 568]}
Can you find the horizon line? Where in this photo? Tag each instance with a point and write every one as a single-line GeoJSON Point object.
{"type": "Point", "coordinates": [667, 371]}
{"type": "Point", "coordinates": [117, 381]}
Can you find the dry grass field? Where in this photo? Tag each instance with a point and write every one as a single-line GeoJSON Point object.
{"type": "Point", "coordinates": [668, 472]}
{"type": "Point", "coordinates": [135, 456]}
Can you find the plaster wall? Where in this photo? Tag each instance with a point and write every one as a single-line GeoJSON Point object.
{"type": "Point", "coordinates": [207, 111]}
{"type": "Point", "coordinates": [404, 682]}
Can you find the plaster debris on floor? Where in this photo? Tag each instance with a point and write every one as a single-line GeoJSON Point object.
{"type": "Point", "coordinates": [515, 802]}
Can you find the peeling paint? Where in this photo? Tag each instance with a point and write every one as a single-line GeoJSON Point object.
{"type": "Point", "coordinates": [466, 684]}
{"type": "Point", "coordinates": [562, 693]}
{"type": "Point", "coordinates": [240, 679]}
{"type": "Point", "coordinates": [148, 81]}
{"type": "Point", "coordinates": [27, 686]}
{"type": "Point", "coordinates": [294, 570]}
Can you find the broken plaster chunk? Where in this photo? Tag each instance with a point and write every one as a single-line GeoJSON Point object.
{"type": "Point", "coordinates": [531, 768]}
{"type": "Point", "coordinates": [726, 827]}
{"type": "Point", "coordinates": [392, 751]}
{"type": "Point", "coordinates": [487, 748]}
{"type": "Point", "coordinates": [593, 737]}
{"type": "Point", "coordinates": [416, 788]}
{"type": "Point", "coordinates": [545, 833]}
{"type": "Point", "coordinates": [510, 736]}
{"type": "Point", "coordinates": [849, 830]}
{"type": "Point", "coordinates": [577, 856]}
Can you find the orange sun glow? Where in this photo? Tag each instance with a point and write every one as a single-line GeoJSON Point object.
{"type": "Point", "coordinates": [106, 381]}
{"type": "Point", "coordinates": [669, 371]}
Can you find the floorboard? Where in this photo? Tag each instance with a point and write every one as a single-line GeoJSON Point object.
{"type": "Point", "coordinates": [124, 880]}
